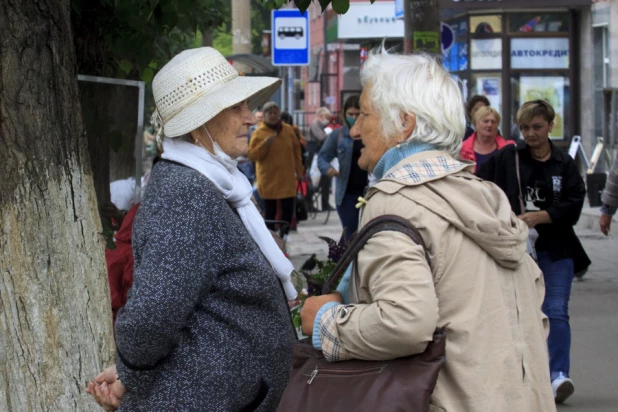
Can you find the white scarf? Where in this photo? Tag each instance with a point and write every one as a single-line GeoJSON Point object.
{"type": "Point", "coordinates": [237, 191]}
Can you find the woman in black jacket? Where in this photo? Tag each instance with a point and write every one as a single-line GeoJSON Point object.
{"type": "Point", "coordinates": [552, 190]}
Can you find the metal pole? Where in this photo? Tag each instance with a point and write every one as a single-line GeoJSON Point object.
{"type": "Point", "coordinates": [290, 89]}
{"type": "Point", "coordinates": [284, 84]}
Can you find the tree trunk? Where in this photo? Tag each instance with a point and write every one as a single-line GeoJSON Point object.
{"type": "Point", "coordinates": [422, 26]}
{"type": "Point", "coordinates": [55, 317]}
{"type": "Point", "coordinates": [241, 27]}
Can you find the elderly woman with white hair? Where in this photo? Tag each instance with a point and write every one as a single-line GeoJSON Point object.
{"type": "Point", "coordinates": [206, 326]}
{"type": "Point", "coordinates": [478, 280]}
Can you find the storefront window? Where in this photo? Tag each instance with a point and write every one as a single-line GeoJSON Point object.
{"type": "Point", "coordinates": [539, 22]}
{"type": "Point", "coordinates": [540, 53]}
{"type": "Point", "coordinates": [490, 86]}
{"type": "Point", "coordinates": [456, 58]}
{"type": "Point", "coordinates": [486, 54]}
{"type": "Point", "coordinates": [485, 24]}
{"type": "Point", "coordinates": [553, 88]}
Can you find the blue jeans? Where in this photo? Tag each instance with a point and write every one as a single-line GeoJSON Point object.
{"type": "Point", "coordinates": [348, 214]}
{"type": "Point", "coordinates": [558, 278]}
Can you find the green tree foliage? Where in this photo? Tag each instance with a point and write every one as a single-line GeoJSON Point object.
{"type": "Point", "coordinates": [340, 6]}
{"type": "Point", "coordinates": [260, 21]}
{"type": "Point", "coordinates": [222, 41]}
{"type": "Point", "coordinates": [132, 38]}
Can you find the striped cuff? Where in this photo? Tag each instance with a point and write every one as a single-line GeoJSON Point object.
{"type": "Point", "coordinates": [608, 210]}
{"type": "Point", "coordinates": [316, 339]}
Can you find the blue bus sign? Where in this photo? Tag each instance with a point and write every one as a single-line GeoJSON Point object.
{"type": "Point", "coordinates": [290, 38]}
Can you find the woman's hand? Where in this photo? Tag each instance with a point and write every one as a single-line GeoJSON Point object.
{"type": "Point", "coordinates": [535, 218]}
{"type": "Point", "coordinates": [107, 390]}
{"type": "Point", "coordinates": [332, 172]}
{"type": "Point", "coordinates": [605, 222]}
{"type": "Point", "coordinates": [312, 306]}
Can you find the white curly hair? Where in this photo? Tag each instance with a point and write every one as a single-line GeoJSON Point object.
{"type": "Point", "coordinates": [417, 85]}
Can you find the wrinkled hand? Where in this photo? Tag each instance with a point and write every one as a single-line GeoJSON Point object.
{"type": "Point", "coordinates": [110, 211]}
{"type": "Point", "coordinates": [312, 306]}
{"type": "Point", "coordinates": [107, 390]}
{"type": "Point", "coordinates": [332, 172]}
{"type": "Point", "coordinates": [605, 222]}
{"type": "Point", "coordinates": [535, 218]}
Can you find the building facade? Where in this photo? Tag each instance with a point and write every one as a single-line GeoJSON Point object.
{"type": "Point", "coordinates": [508, 50]}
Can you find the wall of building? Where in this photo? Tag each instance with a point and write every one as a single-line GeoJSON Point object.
{"type": "Point", "coordinates": [602, 14]}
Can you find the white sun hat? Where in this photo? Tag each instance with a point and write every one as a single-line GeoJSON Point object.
{"type": "Point", "coordinates": [198, 84]}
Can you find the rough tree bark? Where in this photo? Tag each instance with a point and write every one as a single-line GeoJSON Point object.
{"type": "Point", "coordinates": [55, 320]}
{"type": "Point", "coordinates": [422, 26]}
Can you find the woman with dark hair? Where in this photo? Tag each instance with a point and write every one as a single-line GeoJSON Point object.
{"type": "Point", "coordinates": [352, 180]}
{"type": "Point", "coordinates": [475, 103]}
{"type": "Point", "coordinates": [546, 191]}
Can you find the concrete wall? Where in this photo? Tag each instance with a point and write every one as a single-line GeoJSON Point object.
{"type": "Point", "coordinates": [613, 42]}
{"type": "Point", "coordinates": [586, 70]}
{"type": "Point", "coordinates": [601, 12]}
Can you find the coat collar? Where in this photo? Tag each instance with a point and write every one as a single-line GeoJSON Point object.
{"type": "Point", "coordinates": [418, 169]}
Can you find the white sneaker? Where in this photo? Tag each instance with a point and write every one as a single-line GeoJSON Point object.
{"type": "Point", "coordinates": [562, 388]}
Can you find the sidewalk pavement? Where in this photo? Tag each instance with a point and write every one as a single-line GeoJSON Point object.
{"type": "Point", "coordinates": [304, 242]}
{"type": "Point", "coordinates": [589, 219]}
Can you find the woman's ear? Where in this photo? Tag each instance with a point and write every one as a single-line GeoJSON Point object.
{"type": "Point", "coordinates": [409, 123]}
{"type": "Point", "coordinates": [551, 126]}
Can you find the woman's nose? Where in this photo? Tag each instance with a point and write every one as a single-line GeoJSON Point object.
{"type": "Point", "coordinates": [354, 131]}
{"type": "Point", "coordinates": [250, 118]}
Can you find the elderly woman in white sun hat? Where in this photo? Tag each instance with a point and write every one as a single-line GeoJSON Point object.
{"type": "Point", "coordinates": [206, 326]}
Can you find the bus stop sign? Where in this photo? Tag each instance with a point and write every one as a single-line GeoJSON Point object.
{"type": "Point", "coordinates": [290, 37]}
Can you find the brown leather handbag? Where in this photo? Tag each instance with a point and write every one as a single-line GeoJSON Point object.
{"type": "Point", "coordinates": [402, 384]}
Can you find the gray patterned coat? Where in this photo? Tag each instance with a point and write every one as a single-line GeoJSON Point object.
{"type": "Point", "coordinates": [206, 326]}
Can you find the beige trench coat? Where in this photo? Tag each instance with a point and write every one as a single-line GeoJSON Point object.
{"type": "Point", "coordinates": [479, 280]}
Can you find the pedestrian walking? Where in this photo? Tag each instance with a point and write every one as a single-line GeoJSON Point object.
{"type": "Point", "coordinates": [485, 141]}
{"type": "Point", "coordinates": [315, 140]}
{"type": "Point", "coordinates": [546, 191]}
{"type": "Point", "coordinates": [609, 199]}
{"type": "Point", "coordinates": [206, 325]}
{"type": "Point", "coordinates": [473, 104]}
{"type": "Point", "coordinates": [275, 149]}
{"type": "Point", "coordinates": [476, 277]}
{"type": "Point", "coordinates": [316, 135]}
{"type": "Point", "coordinates": [351, 179]}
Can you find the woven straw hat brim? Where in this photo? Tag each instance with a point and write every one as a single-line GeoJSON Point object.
{"type": "Point", "coordinates": [257, 90]}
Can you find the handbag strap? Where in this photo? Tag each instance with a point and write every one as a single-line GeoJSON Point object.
{"type": "Point", "coordinates": [522, 205]}
{"type": "Point", "coordinates": [383, 223]}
